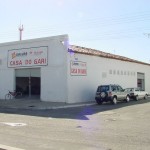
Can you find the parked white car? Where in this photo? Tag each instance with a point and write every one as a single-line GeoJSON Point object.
{"type": "Point", "coordinates": [137, 93]}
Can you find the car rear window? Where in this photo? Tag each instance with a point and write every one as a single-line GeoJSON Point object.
{"type": "Point", "coordinates": [103, 88]}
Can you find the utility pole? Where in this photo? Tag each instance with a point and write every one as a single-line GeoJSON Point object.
{"type": "Point", "coordinates": [20, 32]}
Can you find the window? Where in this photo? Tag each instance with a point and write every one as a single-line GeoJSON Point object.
{"type": "Point", "coordinates": [119, 88]}
{"type": "Point", "coordinates": [110, 71]}
{"type": "Point", "coordinates": [103, 88]}
{"type": "Point", "coordinates": [121, 72]}
{"type": "Point", "coordinates": [137, 89]}
{"type": "Point", "coordinates": [113, 88]}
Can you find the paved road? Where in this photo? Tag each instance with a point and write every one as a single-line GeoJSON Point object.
{"type": "Point", "coordinates": [124, 126]}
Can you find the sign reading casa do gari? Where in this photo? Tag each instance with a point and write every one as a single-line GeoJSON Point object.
{"type": "Point", "coordinates": [27, 57]}
{"type": "Point", "coordinates": [78, 68]}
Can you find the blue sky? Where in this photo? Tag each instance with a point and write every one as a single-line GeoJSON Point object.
{"type": "Point", "coordinates": [116, 26]}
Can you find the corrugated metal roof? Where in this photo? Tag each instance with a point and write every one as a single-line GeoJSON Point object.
{"type": "Point", "coordinates": [89, 51]}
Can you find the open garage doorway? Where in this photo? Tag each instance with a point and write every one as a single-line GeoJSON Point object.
{"type": "Point", "coordinates": [141, 80]}
{"type": "Point", "coordinates": [29, 82]}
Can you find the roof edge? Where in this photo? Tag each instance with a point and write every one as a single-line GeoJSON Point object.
{"type": "Point", "coordinates": [61, 37]}
{"type": "Point", "coordinates": [93, 52]}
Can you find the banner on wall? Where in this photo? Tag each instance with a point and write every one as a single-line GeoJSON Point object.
{"type": "Point", "coordinates": [78, 68]}
{"type": "Point", "coordinates": [36, 56]}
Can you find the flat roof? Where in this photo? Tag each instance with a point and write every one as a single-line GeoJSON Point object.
{"type": "Point", "coordinates": [90, 51]}
{"type": "Point", "coordinates": [57, 37]}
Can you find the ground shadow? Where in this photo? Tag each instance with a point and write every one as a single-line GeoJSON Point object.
{"type": "Point", "coordinates": [79, 113]}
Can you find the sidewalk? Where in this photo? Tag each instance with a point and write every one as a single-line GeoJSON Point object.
{"type": "Point", "coordinates": [36, 104]}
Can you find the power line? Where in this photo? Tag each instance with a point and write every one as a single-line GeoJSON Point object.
{"type": "Point", "coordinates": [95, 23]}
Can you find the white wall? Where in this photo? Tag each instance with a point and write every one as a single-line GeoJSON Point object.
{"type": "Point", "coordinates": [6, 75]}
{"type": "Point", "coordinates": [53, 76]}
{"type": "Point", "coordinates": [57, 84]}
{"type": "Point", "coordinates": [83, 88]}
{"type": "Point", "coordinates": [7, 82]}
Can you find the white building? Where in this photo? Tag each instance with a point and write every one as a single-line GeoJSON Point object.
{"type": "Point", "coordinates": [58, 72]}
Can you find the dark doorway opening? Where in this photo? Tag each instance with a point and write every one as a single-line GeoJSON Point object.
{"type": "Point", "coordinates": [141, 80]}
{"type": "Point", "coordinates": [35, 86]}
{"type": "Point", "coordinates": [28, 81]}
{"type": "Point", "coordinates": [28, 85]}
{"type": "Point", "coordinates": [22, 84]}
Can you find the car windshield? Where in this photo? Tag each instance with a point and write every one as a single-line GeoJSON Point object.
{"type": "Point", "coordinates": [103, 88]}
{"type": "Point", "coordinates": [129, 89]}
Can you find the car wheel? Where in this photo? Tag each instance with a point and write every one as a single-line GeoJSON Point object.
{"type": "Point", "coordinates": [136, 97]}
{"type": "Point", "coordinates": [145, 97]}
{"type": "Point", "coordinates": [99, 102]}
{"type": "Point", "coordinates": [114, 101]}
{"type": "Point", "coordinates": [127, 99]}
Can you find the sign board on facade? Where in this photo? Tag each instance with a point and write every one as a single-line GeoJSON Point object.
{"type": "Point", "coordinates": [37, 56]}
{"type": "Point", "coordinates": [78, 68]}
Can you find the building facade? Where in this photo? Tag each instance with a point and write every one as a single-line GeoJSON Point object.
{"type": "Point", "coordinates": [55, 71]}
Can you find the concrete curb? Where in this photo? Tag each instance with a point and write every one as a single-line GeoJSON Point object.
{"type": "Point", "coordinates": [34, 107]}
{"type": "Point", "coordinates": [72, 106]}
{"type": "Point", "coordinates": [61, 107]}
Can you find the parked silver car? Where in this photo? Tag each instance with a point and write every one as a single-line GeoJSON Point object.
{"type": "Point", "coordinates": [112, 93]}
{"type": "Point", "coordinates": [136, 93]}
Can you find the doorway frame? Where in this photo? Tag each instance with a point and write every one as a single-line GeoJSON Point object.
{"type": "Point", "coordinates": [30, 76]}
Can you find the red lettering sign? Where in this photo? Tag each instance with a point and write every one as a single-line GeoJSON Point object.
{"type": "Point", "coordinates": [16, 63]}
{"type": "Point", "coordinates": [26, 57]}
{"type": "Point", "coordinates": [78, 68]}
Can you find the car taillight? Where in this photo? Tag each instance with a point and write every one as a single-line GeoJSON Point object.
{"type": "Point", "coordinates": [109, 94]}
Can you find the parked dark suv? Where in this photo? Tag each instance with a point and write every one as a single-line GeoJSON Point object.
{"type": "Point", "coordinates": [112, 93]}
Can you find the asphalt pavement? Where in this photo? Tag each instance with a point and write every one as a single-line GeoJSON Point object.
{"type": "Point", "coordinates": [124, 126]}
